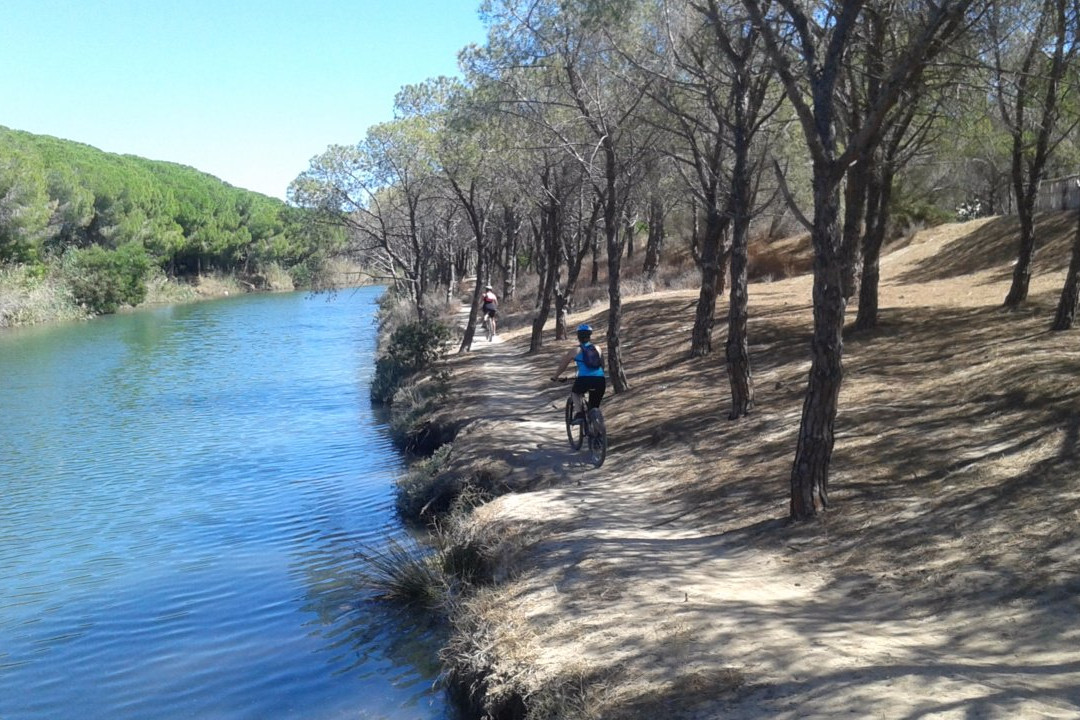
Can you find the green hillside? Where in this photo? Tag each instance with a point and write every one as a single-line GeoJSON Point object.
{"type": "Point", "coordinates": [62, 199]}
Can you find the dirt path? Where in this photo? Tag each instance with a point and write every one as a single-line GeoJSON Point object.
{"type": "Point", "coordinates": [668, 582]}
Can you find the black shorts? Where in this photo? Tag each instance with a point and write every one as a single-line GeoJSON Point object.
{"type": "Point", "coordinates": [490, 311]}
{"type": "Point", "coordinates": [594, 386]}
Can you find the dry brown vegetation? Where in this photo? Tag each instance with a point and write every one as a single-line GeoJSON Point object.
{"type": "Point", "coordinates": [943, 582]}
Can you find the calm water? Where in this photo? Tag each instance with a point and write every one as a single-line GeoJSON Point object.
{"type": "Point", "coordinates": [182, 492]}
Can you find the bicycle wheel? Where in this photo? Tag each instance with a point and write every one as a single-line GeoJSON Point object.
{"type": "Point", "coordinates": [574, 433]}
{"type": "Point", "coordinates": [597, 437]}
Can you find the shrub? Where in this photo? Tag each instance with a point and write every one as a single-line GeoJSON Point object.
{"type": "Point", "coordinates": [425, 486]}
{"type": "Point", "coordinates": [412, 404]}
{"type": "Point", "coordinates": [29, 294]}
{"type": "Point", "coordinates": [162, 289]}
{"type": "Point", "coordinates": [103, 280]}
{"type": "Point", "coordinates": [413, 347]}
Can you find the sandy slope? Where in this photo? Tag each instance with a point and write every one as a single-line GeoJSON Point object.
{"type": "Point", "coordinates": [942, 584]}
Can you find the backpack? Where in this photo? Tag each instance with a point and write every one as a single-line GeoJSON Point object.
{"type": "Point", "coordinates": [591, 357]}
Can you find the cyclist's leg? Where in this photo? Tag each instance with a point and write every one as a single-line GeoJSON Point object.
{"type": "Point", "coordinates": [579, 405]}
{"type": "Point", "coordinates": [597, 387]}
{"type": "Point", "coordinates": [580, 388]}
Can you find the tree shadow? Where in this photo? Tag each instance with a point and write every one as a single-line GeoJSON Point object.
{"type": "Point", "coordinates": [955, 495]}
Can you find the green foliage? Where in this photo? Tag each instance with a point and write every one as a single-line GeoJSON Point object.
{"type": "Point", "coordinates": [103, 280]}
{"type": "Point", "coordinates": [24, 207]}
{"type": "Point", "coordinates": [57, 195]}
{"type": "Point", "coordinates": [911, 209]}
{"type": "Point", "coordinates": [412, 347]}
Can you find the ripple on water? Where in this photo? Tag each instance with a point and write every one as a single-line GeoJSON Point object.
{"type": "Point", "coordinates": [185, 490]}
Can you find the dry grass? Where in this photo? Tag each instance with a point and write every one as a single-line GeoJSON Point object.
{"type": "Point", "coordinates": [213, 285]}
{"type": "Point", "coordinates": [27, 298]}
{"type": "Point", "coordinates": [769, 260]}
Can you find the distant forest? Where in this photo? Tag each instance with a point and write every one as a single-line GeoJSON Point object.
{"type": "Point", "coordinates": [59, 196]}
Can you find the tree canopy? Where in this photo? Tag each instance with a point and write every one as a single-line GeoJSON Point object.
{"type": "Point", "coordinates": [58, 195]}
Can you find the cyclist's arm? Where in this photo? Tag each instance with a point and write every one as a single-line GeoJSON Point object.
{"type": "Point", "coordinates": [564, 363]}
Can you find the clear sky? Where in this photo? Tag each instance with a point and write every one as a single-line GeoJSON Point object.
{"type": "Point", "coordinates": [247, 90]}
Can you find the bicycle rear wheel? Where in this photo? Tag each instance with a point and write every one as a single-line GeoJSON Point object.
{"type": "Point", "coordinates": [597, 437]}
{"type": "Point", "coordinates": [574, 433]}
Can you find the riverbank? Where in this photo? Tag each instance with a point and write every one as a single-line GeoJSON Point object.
{"type": "Point", "coordinates": [35, 296]}
{"type": "Point", "coordinates": [941, 584]}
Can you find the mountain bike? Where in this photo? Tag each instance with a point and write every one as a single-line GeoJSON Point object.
{"type": "Point", "coordinates": [591, 427]}
{"type": "Point", "coordinates": [488, 330]}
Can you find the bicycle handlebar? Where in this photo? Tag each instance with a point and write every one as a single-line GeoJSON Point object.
{"type": "Point", "coordinates": [561, 379]}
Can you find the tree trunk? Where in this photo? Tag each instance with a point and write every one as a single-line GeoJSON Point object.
{"type": "Point", "coordinates": [854, 209]}
{"type": "Point", "coordinates": [1070, 292]}
{"type": "Point", "coordinates": [561, 313]}
{"type": "Point", "coordinates": [595, 277]}
{"type": "Point", "coordinates": [737, 349]}
{"type": "Point", "coordinates": [879, 195]}
{"type": "Point", "coordinates": [810, 471]}
{"type": "Point", "coordinates": [451, 282]}
{"type": "Point", "coordinates": [510, 254]}
{"type": "Point", "coordinates": [474, 310]}
{"type": "Point", "coordinates": [655, 242]}
{"type": "Point", "coordinates": [616, 372]}
{"type": "Point", "coordinates": [711, 263]}
{"type": "Point", "coordinates": [575, 255]}
{"type": "Point", "coordinates": [540, 258]}
{"type": "Point", "coordinates": [1021, 278]}
{"type": "Point", "coordinates": [549, 227]}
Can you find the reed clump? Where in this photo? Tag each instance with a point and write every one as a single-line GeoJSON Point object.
{"type": "Point", "coordinates": [31, 295]}
{"type": "Point", "coordinates": [413, 424]}
{"type": "Point", "coordinates": [433, 575]}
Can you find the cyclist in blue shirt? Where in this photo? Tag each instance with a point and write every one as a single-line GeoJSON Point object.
{"type": "Point", "coordinates": [590, 370]}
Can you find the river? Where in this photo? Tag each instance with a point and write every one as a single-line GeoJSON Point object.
{"type": "Point", "coordinates": [183, 493]}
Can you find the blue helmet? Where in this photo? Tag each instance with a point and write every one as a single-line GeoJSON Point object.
{"type": "Point", "coordinates": [584, 328]}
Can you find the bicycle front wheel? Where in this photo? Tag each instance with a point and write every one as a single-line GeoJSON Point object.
{"type": "Point", "coordinates": [574, 433]}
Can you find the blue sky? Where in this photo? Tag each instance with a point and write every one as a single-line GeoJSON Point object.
{"type": "Point", "coordinates": [247, 90]}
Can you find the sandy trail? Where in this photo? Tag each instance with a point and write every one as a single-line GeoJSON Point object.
{"type": "Point", "coordinates": [668, 581]}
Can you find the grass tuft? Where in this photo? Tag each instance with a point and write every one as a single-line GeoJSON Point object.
{"type": "Point", "coordinates": [405, 573]}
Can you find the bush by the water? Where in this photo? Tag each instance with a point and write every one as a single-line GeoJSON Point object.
{"type": "Point", "coordinates": [412, 408]}
{"type": "Point", "coordinates": [412, 347]}
{"type": "Point", "coordinates": [102, 280]}
{"type": "Point", "coordinates": [432, 576]}
{"type": "Point", "coordinates": [30, 294]}
{"type": "Point", "coordinates": [426, 484]}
